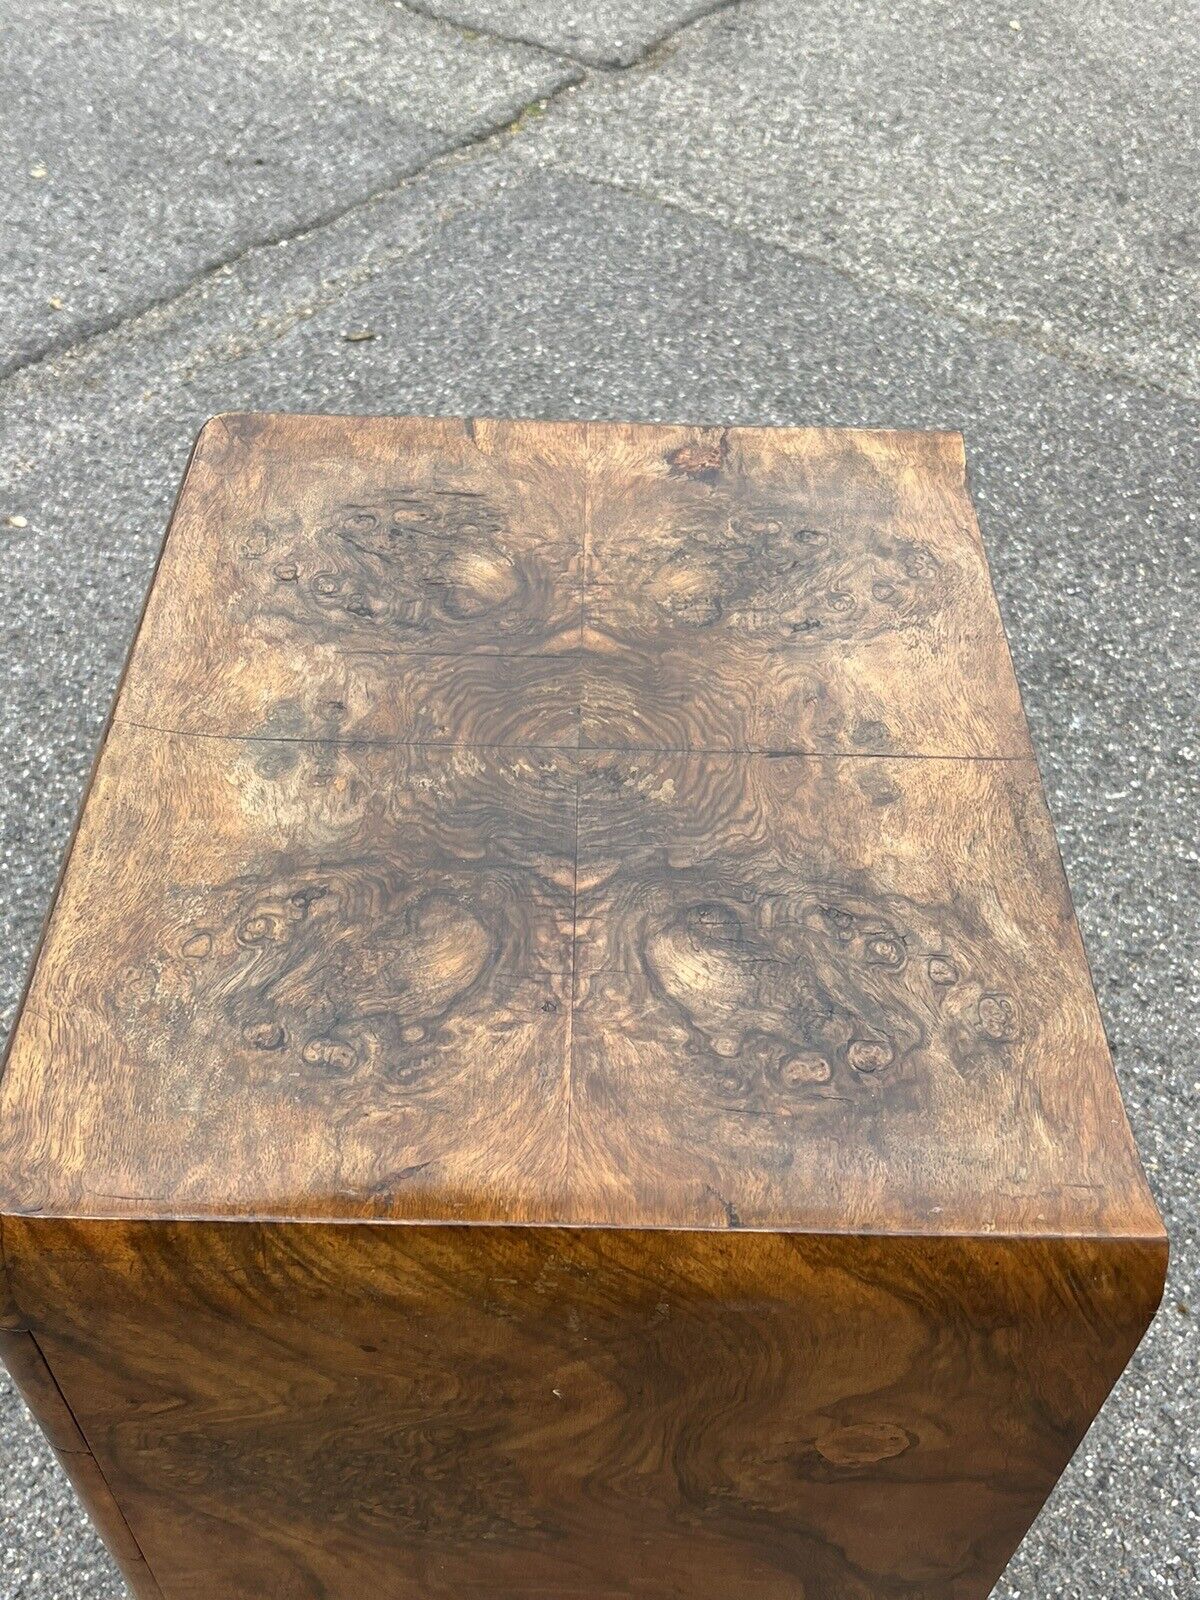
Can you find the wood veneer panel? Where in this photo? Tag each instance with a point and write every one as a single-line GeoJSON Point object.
{"type": "Point", "coordinates": [39, 1389]}
{"type": "Point", "coordinates": [370, 578]}
{"type": "Point", "coordinates": [295, 979]}
{"type": "Point", "coordinates": [836, 994]}
{"type": "Point", "coordinates": [779, 589]}
{"type": "Point", "coordinates": [708, 588]}
{"type": "Point", "coordinates": [305, 1410]}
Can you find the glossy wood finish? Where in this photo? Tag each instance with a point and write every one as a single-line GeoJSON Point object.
{"type": "Point", "coordinates": [27, 1367]}
{"type": "Point", "coordinates": [562, 1062]}
{"type": "Point", "coordinates": [308, 1410]}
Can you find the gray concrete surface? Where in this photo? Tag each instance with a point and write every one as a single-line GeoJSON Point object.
{"type": "Point", "coordinates": [1031, 167]}
{"type": "Point", "coordinates": [525, 274]}
{"type": "Point", "coordinates": [145, 141]}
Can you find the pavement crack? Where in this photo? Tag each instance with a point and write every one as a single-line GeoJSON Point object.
{"type": "Point", "coordinates": [577, 71]}
{"type": "Point", "coordinates": [488, 137]}
{"type": "Point", "coordinates": [1015, 330]}
{"type": "Point", "coordinates": [661, 43]}
{"type": "Point", "coordinates": [614, 63]}
{"type": "Point", "coordinates": [471, 30]}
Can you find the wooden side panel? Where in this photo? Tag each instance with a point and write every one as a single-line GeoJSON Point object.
{"type": "Point", "coordinates": [37, 1386]}
{"type": "Point", "coordinates": [10, 1317]}
{"type": "Point", "coordinates": [28, 1370]}
{"type": "Point", "coordinates": [90, 1485]}
{"type": "Point", "coordinates": [312, 1411]}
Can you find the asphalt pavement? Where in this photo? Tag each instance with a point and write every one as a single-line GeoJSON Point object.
{"type": "Point", "coordinates": [912, 214]}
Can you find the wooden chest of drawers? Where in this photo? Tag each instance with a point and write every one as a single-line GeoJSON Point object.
{"type": "Point", "coordinates": [562, 1063]}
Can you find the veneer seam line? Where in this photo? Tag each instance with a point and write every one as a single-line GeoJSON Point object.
{"type": "Point", "coordinates": [90, 1454]}
{"type": "Point", "coordinates": [765, 752]}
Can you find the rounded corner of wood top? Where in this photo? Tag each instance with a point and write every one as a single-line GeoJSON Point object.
{"type": "Point", "coordinates": [213, 427]}
{"type": "Point", "coordinates": [1127, 1273]}
{"type": "Point", "coordinates": [1138, 1277]}
{"type": "Point", "coordinates": [11, 1320]}
{"type": "Point", "coordinates": [224, 428]}
{"type": "Point", "coordinates": [945, 454]}
{"type": "Point", "coordinates": [1156, 1251]}
{"type": "Point", "coordinates": [954, 444]}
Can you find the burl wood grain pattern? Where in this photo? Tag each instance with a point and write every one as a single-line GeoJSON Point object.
{"type": "Point", "coordinates": [562, 1063]}
{"type": "Point", "coordinates": [303, 1410]}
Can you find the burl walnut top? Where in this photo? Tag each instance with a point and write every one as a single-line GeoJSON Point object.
{"type": "Point", "coordinates": [569, 823]}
